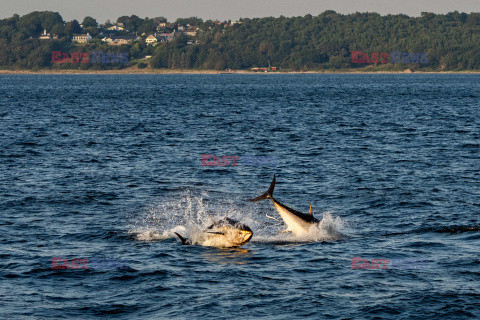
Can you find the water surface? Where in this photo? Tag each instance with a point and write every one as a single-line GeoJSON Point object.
{"type": "Point", "coordinates": [107, 166]}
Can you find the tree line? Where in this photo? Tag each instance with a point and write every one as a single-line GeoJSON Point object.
{"type": "Point", "coordinates": [321, 42]}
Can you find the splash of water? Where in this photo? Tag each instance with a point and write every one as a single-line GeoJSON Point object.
{"type": "Point", "coordinates": [330, 228]}
{"type": "Point", "coordinates": [189, 214]}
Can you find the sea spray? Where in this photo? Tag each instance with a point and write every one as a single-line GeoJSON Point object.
{"type": "Point", "coordinates": [189, 214]}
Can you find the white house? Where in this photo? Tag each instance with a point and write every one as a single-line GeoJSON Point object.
{"type": "Point", "coordinates": [119, 40]}
{"type": "Point", "coordinates": [117, 27]}
{"type": "Point", "coordinates": [47, 36]}
{"type": "Point", "coordinates": [81, 38]}
{"type": "Point", "coordinates": [151, 39]}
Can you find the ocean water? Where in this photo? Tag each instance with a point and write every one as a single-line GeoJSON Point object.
{"type": "Point", "coordinates": [100, 170]}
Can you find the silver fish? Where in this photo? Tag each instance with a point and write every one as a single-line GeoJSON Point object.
{"type": "Point", "coordinates": [298, 223]}
{"type": "Point", "coordinates": [224, 233]}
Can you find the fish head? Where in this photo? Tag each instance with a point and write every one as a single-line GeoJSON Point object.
{"type": "Point", "coordinates": [238, 235]}
{"type": "Point", "coordinates": [234, 232]}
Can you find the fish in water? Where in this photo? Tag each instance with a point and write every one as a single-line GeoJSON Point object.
{"type": "Point", "coordinates": [225, 233]}
{"type": "Point", "coordinates": [298, 223]}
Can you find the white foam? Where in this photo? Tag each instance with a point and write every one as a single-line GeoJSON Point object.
{"type": "Point", "coordinates": [154, 234]}
{"type": "Point", "coordinates": [189, 214]}
{"type": "Point", "coordinates": [327, 229]}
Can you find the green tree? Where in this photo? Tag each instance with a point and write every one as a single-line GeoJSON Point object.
{"type": "Point", "coordinates": [89, 22]}
{"type": "Point", "coordinates": [71, 28]}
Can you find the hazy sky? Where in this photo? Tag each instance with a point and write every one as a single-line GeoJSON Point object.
{"type": "Point", "coordinates": [227, 9]}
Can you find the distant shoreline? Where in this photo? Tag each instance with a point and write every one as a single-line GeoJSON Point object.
{"type": "Point", "coordinates": [195, 71]}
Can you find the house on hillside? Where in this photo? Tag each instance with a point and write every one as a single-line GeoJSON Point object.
{"type": "Point", "coordinates": [151, 40]}
{"type": "Point", "coordinates": [117, 27]}
{"type": "Point", "coordinates": [47, 36]}
{"type": "Point", "coordinates": [160, 26]}
{"type": "Point", "coordinates": [167, 36]}
{"type": "Point", "coordinates": [81, 38]}
{"type": "Point", "coordinates": [190, 32]}
{"type": "Point", "coordinates": [119, 40]}
{"type": "Point", "coordinates": [162, 37]}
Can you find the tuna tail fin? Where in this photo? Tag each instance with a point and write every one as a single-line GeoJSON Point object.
{"type": "Point", "coordinates": [267, 194]}
{"type": "Point", "coordinates": [184, 240]}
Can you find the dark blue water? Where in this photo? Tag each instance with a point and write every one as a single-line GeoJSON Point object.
{"type": "Point", "coordinates": [105, 167]}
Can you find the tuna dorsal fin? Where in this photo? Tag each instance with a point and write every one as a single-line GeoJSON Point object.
{"type": "Point", "coordinates": [310, 211]}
